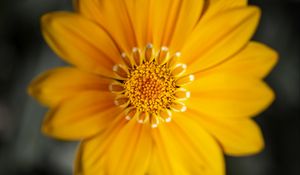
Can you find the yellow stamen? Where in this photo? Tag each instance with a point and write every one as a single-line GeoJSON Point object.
{"type": "Point", "coordinates": [130, 113]}
{"type": "Point", "coordinates": [126, 60]}
{"type": "Point", "coordinates": [154, 120]}
{"type": "Point", "coordinates": [178, 107]}
{"type": "Point", "coordinates": [174, 60]}
{"type": "Point", "coordinates": [143, 117]}
{"type": "Point", "coordinates": [136, 56]}
{"type": "Point", "coordinates": [149, 53]}
{"type": "Point", "coordinates": [182, 94]}
{"type": "Point", "coordinates": [179, 69]}
{"type": "Point", "coordinates": [185, 80]}
{"type": "Point", "coordinates": [122, 101]}
{"type": "Point", "coordinates": [116, 87]}
{"type": "Point", "coordinates": [163, 55]}
{"type": "Point", "coordinates": [120, 70]}
{"type": "Point", "coordinates": [166, 115]}
{"type": "Point", "coordinates": [150, 85]}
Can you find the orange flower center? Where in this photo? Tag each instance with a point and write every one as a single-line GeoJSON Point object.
{"type": "Point", "coordinates": [150, 87]}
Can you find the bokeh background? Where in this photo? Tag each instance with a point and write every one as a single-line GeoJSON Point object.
{"type": "Point", "coordinates": [24, 54]}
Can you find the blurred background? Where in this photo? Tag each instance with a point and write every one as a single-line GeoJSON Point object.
{"type": "Point", "coordinates": [24, 54]}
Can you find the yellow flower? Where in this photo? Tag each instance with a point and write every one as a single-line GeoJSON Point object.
{"type": "Point", "coordinates": [156, 86]}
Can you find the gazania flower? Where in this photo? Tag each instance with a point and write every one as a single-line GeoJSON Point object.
{"type": "Point", "coordinates": [156, 86]}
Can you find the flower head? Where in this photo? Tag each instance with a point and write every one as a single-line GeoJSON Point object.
{"type": "Point", "coordinates": [156, 86]}
{"type": "Point", "coordinates": [150, 85]}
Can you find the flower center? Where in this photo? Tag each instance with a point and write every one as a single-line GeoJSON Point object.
{"type": "Point", "coordinates": [150, 85]}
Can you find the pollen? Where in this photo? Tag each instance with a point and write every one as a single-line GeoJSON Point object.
{"type": "Point", "coordinates": [150, 85]}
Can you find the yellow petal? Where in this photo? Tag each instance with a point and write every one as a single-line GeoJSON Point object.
{"type": "Point", "coordinates": [113, 15]}
{"type": "Point", "coordinates": [236, 136]}
{"type": "Point", "coordinates": [137, 23]}
{"type": "Point", "coordinates": [124, 149]}
{"type": "Point", "coordinates": [91, 9]}
{"type": "Point", "coordinates": [185, 20]}
{"type": "Point", "coordinates": [255, 60]}
{"type": "Point", "coordinates": [56, 85]}
{"type": "Point", "coordinates": [82, 116]}
{"type": "Point", "coordinates": [80, 42]}
{"type": "Point", "coordinates": [140, 13]}
{"type": "Point", "coordinates": [183, 147]}
{"type": "Point", "coordinates": [227, 95]}
{"type": "Point", "coordinates": [133, 145]}
{"type": "Point", "coordinates": [219, 38]}
{"type": "Point", "coordinates": [164, 23]}
{"type": "Point", "coordinates": [148, 14]}
{"type": "Point", "coordinates": [161, 18]}
{"type": "Point", "coordinates": [216, 6]}
{"type": "Point", "coordinates": [91, 155]}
